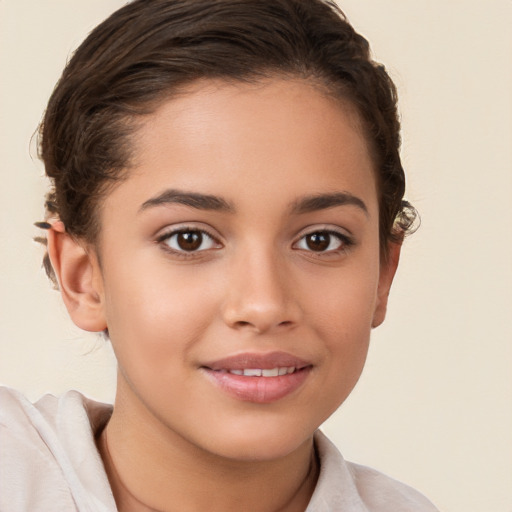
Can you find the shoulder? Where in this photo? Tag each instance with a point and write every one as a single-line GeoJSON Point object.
{"type": "Point", "coordinates": [51, 420]}
{"type": "Point", "coordinates": [378, 491]}
{"type": "Point", "coordinates": [351, 487]}
{"type": "Point", "coordinates": [45, 448]}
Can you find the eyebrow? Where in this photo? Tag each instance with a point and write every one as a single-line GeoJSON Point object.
{"type": "Point", "coordinates": [214, 203]}
{"type": "Point", "coordinates": [324, 201]}
{"type": "Point", "coordinates": [192, 199]}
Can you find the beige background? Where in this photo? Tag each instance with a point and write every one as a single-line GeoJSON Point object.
{"type": "Point", "coordinates": [434, 407]}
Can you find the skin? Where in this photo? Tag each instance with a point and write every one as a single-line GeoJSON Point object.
{"type": "Point", "coordinates": [255, 286]}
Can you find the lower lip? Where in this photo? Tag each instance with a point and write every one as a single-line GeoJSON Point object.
{"type": "Point", "coordinates": [262, 390]}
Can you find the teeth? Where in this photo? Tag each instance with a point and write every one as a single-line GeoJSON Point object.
{"type": "Point", "coordinates": [252, 373]}
{"type": "Point", "coordinates": [257, 372]}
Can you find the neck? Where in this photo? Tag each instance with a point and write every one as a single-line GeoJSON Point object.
{"type": "Point", "coordinates": [150, 470]}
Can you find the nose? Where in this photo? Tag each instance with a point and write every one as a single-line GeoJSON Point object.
{"type": "Point", "coordinates": [260, 295]}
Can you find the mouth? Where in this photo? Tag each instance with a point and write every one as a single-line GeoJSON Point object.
{"type": "Point", "coordinates": [258, 378]}
{"type": "Point", "coordinates": [261, 372]}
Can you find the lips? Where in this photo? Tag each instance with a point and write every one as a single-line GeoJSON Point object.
{"type": "Point", "coordinates": [260, 372]}
{"type": "Point", "coordinates": [253, 360]}
{"type": "Point", "coordinates": [259, 378]}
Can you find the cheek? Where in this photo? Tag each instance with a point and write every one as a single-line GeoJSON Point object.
{"type": "Point", "coordinates": [155, 314]}
{"type": "Point", "coordinates": [344, 309]}
{"type": "Point", "coordinates": [345, 301]}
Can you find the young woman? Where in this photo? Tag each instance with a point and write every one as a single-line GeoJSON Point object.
{"type": "Point", "coordinates": [227, 208]}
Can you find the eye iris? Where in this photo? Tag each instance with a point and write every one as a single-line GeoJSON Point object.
{"type": "Point", "coordinates": [189, 240]}
{"type": "Point", "coordinates": [318, 241]}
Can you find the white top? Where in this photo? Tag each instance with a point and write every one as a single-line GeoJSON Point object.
{"type": "Point", "coordinates": [49, 462]}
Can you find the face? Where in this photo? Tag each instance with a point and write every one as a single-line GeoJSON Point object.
{"type": "Point", "coordinates": [239, 272]}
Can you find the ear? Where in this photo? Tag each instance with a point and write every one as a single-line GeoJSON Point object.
{"type": "Point", "coordinates": [388, 268]}
{"type": "Point", "coordinates": [79, 278]}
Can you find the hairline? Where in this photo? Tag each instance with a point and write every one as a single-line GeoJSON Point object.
{"type": "Point", "coordinates": [135, 122]}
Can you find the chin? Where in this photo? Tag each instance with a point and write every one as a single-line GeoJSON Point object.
{"type": "Point", "coordinates": [260, 441]}
{"type": "Point", "coordinates": [259, 450]}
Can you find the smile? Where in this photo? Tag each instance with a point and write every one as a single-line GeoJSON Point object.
{"type": "Point", "coordinates": [258, 378]}
{"type": "Point", "coordinates": [261, 372]}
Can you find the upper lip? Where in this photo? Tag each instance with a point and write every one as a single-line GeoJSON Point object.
{"type": "Point", "coordinates": [266, 361]}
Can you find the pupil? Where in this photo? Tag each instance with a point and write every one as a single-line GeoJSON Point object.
{"type": "Point", "coordinates": [190, 240]}
{"type": "Point", "coordinates": [318, 241]}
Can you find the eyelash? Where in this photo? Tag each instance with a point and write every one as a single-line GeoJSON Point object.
{"type": "Point", "coordinates": [345, 241]}
{"type": "Point", "coordinates": [164, 239]}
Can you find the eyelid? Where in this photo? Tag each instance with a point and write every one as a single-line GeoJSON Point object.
{"type": "Point", "coordinates": [342, 234]}
{"type": "Point", "coordinates": [324, 228]}
{"type": "Point", "coordinates": [187, 226]}
{"type": "Point", "coordinates": [175, 229]}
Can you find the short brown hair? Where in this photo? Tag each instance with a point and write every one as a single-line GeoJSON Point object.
{"type": "Point", "coordinates": [149, 49]}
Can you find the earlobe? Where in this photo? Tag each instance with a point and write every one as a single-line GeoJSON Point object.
{"type": "Point", "coordinates": [387, 273]}
{"type": "Point", "coordinates": [79, 278]}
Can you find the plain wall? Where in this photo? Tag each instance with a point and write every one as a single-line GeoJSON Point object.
{"type": "Point", "coordinates": [434, 405]}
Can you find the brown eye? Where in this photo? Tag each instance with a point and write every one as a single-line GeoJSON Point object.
{"type": "Point", "coordinates": [323, 241]}
{"type": "Point", "coordinates": [189, 240]}
{"type": "Point", "coordinates": [318, 241]}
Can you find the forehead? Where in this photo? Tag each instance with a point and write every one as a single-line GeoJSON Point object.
{"type": "Point", "coordinates": [284, 102]}
{"type": "Point", "coordinates": [257, 137]}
